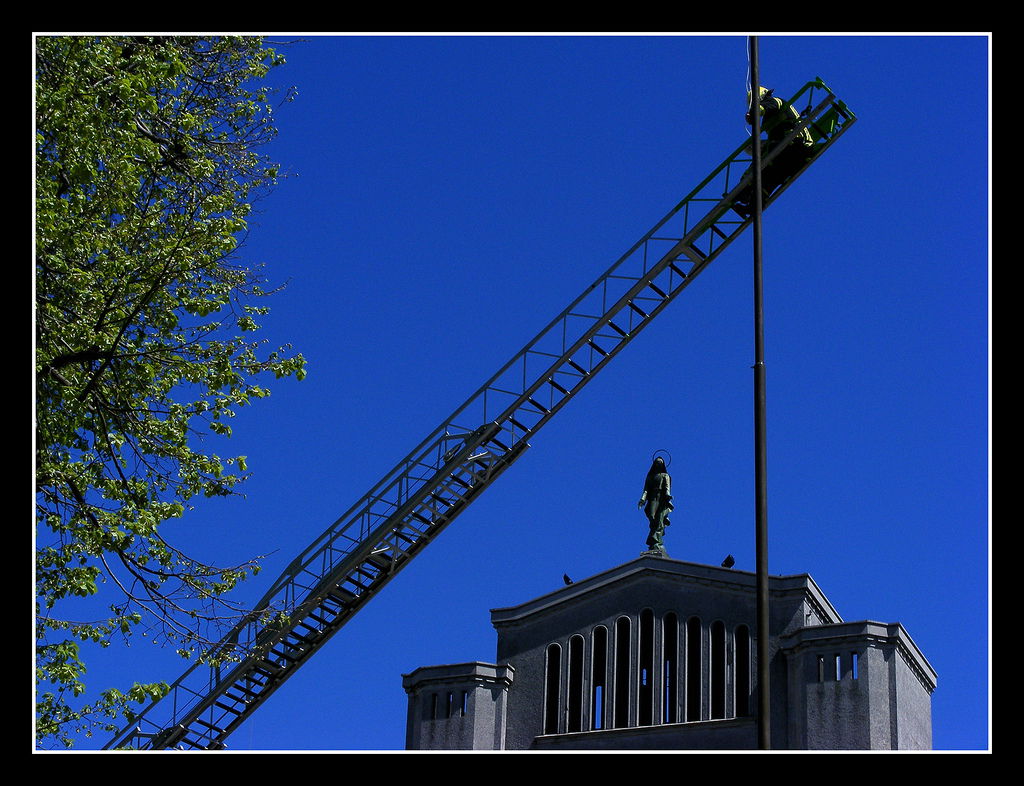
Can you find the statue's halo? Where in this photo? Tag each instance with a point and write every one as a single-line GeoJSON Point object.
{"type": "Point", "coordinates": [668, 457]}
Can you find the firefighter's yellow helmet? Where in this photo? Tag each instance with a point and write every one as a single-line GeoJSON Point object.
{"type": "Point", "coordinates": [762, 93]}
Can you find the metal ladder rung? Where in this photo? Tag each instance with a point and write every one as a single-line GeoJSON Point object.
{"type": "Point", "coordinates": [381, 563]}
{"type": "Point", "coordinates": [299, 638]}
{"type": "Point", "coordinates": [268, 667]}
{"type": "Point", "coordinates": [251, 679]}
{"type": "Point", "coordinates": [518, 425]}
{"type": "Point", "coordinates": [461, 481]}
{"type": "Point", "coordinates": [342, 596]}
{"type": "Point", "coordinates": [209, 726]}
{"type": "Point", "coordinates": [241, 699]}
{"type": "Point", "coordinates": [318, 618]}
{"type": "Point", "coordinates": [694, 253]}
{"type": "Point", "coordinates": [619, 330]}
{"type": "Point", "coordinates": [363, 570]}
{"type": "Point", "coordinates": [353, 580]}
{"type": "Point", "coordinates": [419, 517]}
{"type": "Point", "coordinates": [285, 655]}
{"type": "Point", "coordinates": [270, 671]}
{"type": "Point", "coordinates": [662, 295]}
{"type": "Point", "coordinates": [558, 387]}
{"type": "Point", "coordinates": [638, 310]}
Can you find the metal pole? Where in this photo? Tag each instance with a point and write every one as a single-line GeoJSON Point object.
{"type": "Point", "coordinates": [760, 432]}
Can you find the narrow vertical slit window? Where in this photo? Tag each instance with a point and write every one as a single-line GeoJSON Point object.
{"type": "Point", "coordinates": [839, 668]}
{"type": "Point", "coordinates": [855, 665]}
{"type": "Point", "coordinates": [552, 677]}
{"type": "Point", "coordinates": [742, 671]}
{"type": "Point", "coordinates": [598, 676]}
{"type": "Point", "coordinates": [694, 677]}
{"type": "Point", "coordinates": [464, 703]}
{"type": "Point", "coordinates": [821, 668]}
{"type": "Point", "coordinates": [620, 701]}
{"type": "Point", "coordinates": [717, 670]}
{"type": "Point", "coordinates": [669, 654]}
{"type": "Point", "coordinates": [574, 697]}
{"type": "Point", "coordinates": [645, 672]}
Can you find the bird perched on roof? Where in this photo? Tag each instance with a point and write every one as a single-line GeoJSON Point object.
{"type": "Point", "coordinates": [566, 579]}
{"type": "Point", "coordinates": [728, 562]}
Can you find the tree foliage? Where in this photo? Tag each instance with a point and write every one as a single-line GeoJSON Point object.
{"type": "Point", "coordinates": [148, 161]}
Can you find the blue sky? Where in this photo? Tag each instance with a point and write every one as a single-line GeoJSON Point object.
{"type": "Point", "coordinates": [449, 195]}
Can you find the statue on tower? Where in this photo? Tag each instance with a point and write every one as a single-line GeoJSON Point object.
{"type": "Point", "coordinates": [656, 501]}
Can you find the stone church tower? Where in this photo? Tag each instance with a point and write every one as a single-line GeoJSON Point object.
{"type": "Point", "coordinates": [661, 654]}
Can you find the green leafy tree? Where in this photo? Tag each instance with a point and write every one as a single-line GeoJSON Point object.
{"type": "Point", "coordinates": [148, 160]}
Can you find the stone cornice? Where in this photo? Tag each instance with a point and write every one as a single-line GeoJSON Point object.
{"type": "Point", "coordinates": [842, 634]}
{"type": "Point", "coordinates": [688, 572]}
{"type": "Point", "coordinates": [475, 671]}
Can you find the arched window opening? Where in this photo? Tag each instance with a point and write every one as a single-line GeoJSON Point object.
{"type": "Point", "coordinates": [717, 670]}
{"type": "Point", "coordinates": [552, 678]}
{"type": "Point", "coordinates": [693, 669]}
{"type": "Point", "coordinates": [599, 669]}
{"type": "Point", "coordinates": [620, 701]}
{"type": "Point", "coordinates": [742, 671]}
{"type": "Point", "coordinates": [645, 672]}
{"type": "Point", "coordinates": [574, 699]}
{"type": "Point", "coordinates": [669, 650]}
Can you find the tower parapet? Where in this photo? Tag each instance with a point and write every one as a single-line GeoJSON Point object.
{"type": "Point", "coordinates": [661, 654]}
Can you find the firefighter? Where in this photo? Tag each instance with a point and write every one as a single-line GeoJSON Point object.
{"type": "Point", "coordinates": [778, 119]}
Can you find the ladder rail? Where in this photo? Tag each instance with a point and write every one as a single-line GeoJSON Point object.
{"type": "Point", "coordinates": [448, 431]}
{"type": "Point", "coordinates": [380, 533]}
{"type": "Point", "coordinates": [191, 698]}
{"type": "Point", "coordinates": [219, 711]}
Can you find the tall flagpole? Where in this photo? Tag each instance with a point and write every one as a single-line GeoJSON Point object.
{"type": "Point", "coordinates": [760, 431]}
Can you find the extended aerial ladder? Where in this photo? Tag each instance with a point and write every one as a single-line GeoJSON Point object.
{"type": "Point", "coordinates": [365, 548]}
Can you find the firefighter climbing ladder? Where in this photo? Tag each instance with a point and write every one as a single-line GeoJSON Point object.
{"type": "Point", "coordinates": [363, 550]}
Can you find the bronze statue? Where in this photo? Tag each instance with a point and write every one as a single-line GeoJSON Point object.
{"type": "Point", "coordinates": [657, 504]}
